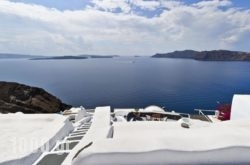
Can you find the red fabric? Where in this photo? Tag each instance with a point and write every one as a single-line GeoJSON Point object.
{"type": "Point", "coordinates": [224, 112]}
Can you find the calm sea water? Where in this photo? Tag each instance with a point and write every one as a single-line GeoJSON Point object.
{"type": "Point", "coordinates": [176, 84]}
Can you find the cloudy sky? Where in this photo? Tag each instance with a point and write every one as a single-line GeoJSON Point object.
{"type": "Point", "coordinates": [122, 27]}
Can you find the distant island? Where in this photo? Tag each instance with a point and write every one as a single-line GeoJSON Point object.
{"type": "Point", "coordinates": [79, 57]}
{"type": "Point", "coordinates": [59, 58]}
{"type": "Point", "coordinates": [213, 55]}
{"type": "Point", "coordinates": [39, 57]}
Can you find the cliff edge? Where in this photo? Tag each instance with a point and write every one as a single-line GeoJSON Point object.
{"type": "Point", "coordinates": [16, 97]}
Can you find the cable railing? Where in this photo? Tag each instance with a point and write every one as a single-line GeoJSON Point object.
{"type": "Point", "coordinates": [201, 112]}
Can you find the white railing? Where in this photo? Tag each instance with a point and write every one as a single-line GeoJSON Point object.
{"type": "Point", "coordinates": [205, 110]}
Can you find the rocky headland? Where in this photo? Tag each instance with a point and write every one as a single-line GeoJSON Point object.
{"type": "Point", "coordinates": [213, 55]}
{"type": "Point", "coordinates": [15, 97]}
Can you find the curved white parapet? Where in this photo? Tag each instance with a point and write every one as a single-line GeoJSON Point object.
{"type": "Point", "coordinates": [240, 107]}
{"type": "Point", "coordinates": [228, 156]}
{"type": "Point", "coordinates": [24, 137]}
{"type": "Point", "coordinates": [142, 143]}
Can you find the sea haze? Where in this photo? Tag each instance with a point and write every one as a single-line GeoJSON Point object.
{"type": "Point", "coordinates": [133, 82]}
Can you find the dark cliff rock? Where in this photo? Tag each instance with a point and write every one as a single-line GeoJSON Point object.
{"type": "Point", "coordinates": [213, 55]}
{"type": "Point", "coordinates": [223, 55]}
{"type": "Point", "coordinates": [16, 97]}
{"type": "Point", "coordinates": [177, 54]}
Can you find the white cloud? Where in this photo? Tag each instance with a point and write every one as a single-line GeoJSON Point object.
{"type": "Point", "coordinates": [169, 4]}
{"type": "Point", "coordinates": [111, 5]}
{"type": "Point", "coordinates": [148, 4]}
{"type": "Point", "coordinates": [125, 5]}
{"type": "Point", "coordinates": [214, 3]}
{"type": "Point", "coordinates": [34, 29]}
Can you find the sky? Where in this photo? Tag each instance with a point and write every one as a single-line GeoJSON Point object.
{"type": "Point", "coordinates": [122, 27]}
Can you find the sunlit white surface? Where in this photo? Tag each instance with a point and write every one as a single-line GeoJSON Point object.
{"type": "Point", "coordinates": [240, 107]}
{"type": "Point", "coordinates": [23, 134]}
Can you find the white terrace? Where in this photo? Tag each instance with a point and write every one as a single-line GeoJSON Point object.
{"type": "Point", "coordinates": [102, 137]}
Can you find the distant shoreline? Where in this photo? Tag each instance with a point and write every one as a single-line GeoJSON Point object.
{"type": "Point", "coordinates": [59, 58]}
{"type": "Point", "coordinates": [71, 57]}
{"type": "Point", "coordinates": [67, 57]}
{"type": "Point", "coordinates": [214, 55]}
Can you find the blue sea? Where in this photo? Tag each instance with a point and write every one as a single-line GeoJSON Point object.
{"type": "Point", "coordinates": [133, 82]}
